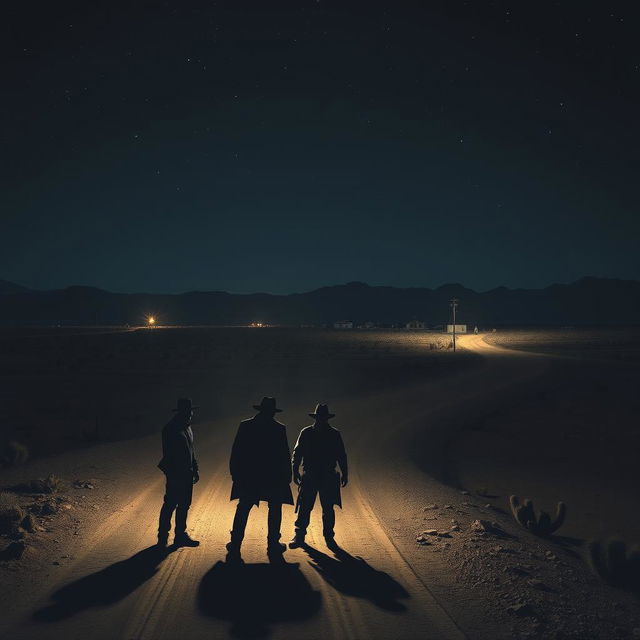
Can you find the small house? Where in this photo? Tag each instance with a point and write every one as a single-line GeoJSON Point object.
{"type": "Point", "coordinates": [343, 324]}
{"type": "Point", "coordinates": [460, 328]}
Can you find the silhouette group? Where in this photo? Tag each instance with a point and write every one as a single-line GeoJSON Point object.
{"type": "Point", "coordinates": [262, 469]}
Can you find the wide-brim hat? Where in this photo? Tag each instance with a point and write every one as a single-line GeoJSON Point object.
{"type": "Point", "coordinates": [322, 411]}
{"type": "Point", "coordinates": [184, 404]}
{"type": "Point", "coordinates": [267, 404]}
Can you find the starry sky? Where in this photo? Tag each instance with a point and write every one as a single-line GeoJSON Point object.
{"type": "Point", "coordinates": [283, 146]}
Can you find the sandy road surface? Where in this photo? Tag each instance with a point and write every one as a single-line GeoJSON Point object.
{"type": "Point", "coordinates": [378, 587]}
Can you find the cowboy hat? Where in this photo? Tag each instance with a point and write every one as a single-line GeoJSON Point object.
{"type": "Point", "coordinates": [322, 411]}
{"type": "Point", "coordinates": [267, 404]}
{"type": "Point", "coordinates": [184, 404]}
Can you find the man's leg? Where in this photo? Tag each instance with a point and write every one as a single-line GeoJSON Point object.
{"type": "Point", "coordinates": [307, 500]}
{"type": "Point", "coordinates": [166, 512]}
{"type": "Point", "coordinates": [239, 524]}
{"type": "Point", "coordinates": [328, 516]}
{"type": "Point", "coordinates": [274, 521]}
{"type": "Point", "coordinates": [184, 502]}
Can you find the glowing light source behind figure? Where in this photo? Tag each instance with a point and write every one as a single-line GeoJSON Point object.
{"type": "Point", "coordinates": [151, 321]}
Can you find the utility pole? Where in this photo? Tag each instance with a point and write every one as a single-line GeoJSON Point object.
{"type": "Point", "coordinates": [454, 305]}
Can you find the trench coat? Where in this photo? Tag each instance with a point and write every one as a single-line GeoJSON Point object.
{"type": "Point", "coordinates": [260, 463]}
{"type": "Point", "coordinates": [319, 450]}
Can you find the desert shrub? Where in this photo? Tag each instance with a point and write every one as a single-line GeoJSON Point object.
{"type": "Point", "coordinates": [46, 508]}
{"type": "Point", "coordinates": [541, 525]}
{"type": "Point", "coordinates": [50, 484]}
{"type": "Point", "coordinates": [14, 453]}
{"type": "Point", "coordinates": [11, 514]}
{"type": "Point", "coordinates": [616, 563]}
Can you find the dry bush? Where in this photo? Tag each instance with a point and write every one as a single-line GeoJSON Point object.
{"type": "Point", "coordinates": [11, 514]}
{"type": "Point", "coordinates": [50, 484]}
{"type": "Point", "coordinates": [14, 454]}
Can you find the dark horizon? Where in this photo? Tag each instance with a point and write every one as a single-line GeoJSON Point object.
{"type": "Point", "coordinates": [7, 286]}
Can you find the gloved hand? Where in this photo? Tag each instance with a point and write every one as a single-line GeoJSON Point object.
{"type": "Point", "coordinates": [196, 477]}
{"type": "Point", "coordinates": [344, 480]}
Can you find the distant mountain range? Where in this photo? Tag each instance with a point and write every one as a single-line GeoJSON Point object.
{"type": "Point", "coordinates": [587, 301]}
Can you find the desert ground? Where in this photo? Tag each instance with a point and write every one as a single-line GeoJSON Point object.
{"type": "Point", "coordinates": [437, 442]}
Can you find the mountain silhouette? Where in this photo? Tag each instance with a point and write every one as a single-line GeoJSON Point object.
{"type": "Point", "coordinates": [588, 301]}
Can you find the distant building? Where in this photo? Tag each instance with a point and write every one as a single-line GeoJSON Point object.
{"type": "Point", "coordinates": [343, 324]}
{"type": "Point", "coordinates": [460, 328]}
{"type": "Point", "coordinates": [416, 324]}
{"type": "Point", "coordinates": [369, 325]}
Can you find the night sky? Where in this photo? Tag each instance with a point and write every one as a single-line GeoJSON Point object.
{"type": "Point", "coordinates": [271, 146]}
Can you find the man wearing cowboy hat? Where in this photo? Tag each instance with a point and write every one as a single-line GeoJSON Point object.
{"type": "Point", "coordinates": [318, 449]}
{"type": "Point", "coordinates": [180, 466]}
{"type": "Point", "coordinates": [261, 470]}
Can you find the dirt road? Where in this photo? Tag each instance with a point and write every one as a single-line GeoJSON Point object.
{"type": "Point", "coordinates": [378, 587]}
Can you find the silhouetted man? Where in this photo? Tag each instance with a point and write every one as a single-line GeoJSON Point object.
{"type": "Point", "coordinates": [180, 466]}
{"type": "Point", "coordinates": [318, 449]}
{"type": "Point", "coordinates": [261, 470]}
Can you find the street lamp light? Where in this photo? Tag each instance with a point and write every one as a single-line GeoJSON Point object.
{"type": "Point", "coordinates": [151, 321]}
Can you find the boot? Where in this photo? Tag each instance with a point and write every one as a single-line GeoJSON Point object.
{"type": "Point", "coordinates": [163, 540]}
{"type": "Point", "coordinates": [297, 540]}
{"type": "Point", "coordinates": [331, 543]}
{"type": "Point", "coordinates": [233, 549]}
{"type": "Point", "coordinates": [275, 546]}
{"type": "Point", "coordinates": [184, 540]}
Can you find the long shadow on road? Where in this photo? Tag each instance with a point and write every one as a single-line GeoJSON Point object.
{"type": "Point", "coordinates": [353, 576]}
{"type": "Point", "coordinates": [253, 597]}
{"type": "Point", "coordinates": [104, 587]}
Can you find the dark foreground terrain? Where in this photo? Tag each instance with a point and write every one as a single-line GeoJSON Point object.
{"type": "Point", "coordinates": [428, 548]}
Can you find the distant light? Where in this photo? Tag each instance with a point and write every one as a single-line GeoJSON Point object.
{"type": "Point", "coordinates": [151, 321]}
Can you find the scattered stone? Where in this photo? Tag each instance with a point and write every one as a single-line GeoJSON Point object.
{"type": "Point", "coordinates": [538, 584]}
{"type": "Point", "coordinates": [484, 527]}
{"type": "Point", "coordinates": [422, 540]}
{"type": "Point", "coordinates": [447, 506]}
{"type": "Point", "coordinates": [521, 609]}
{"type": "Point", "coordinates": [49, 508]}
{"type": "Point", "coordinates": [455, 527]}
{"type": "Point", "coordinates": [83, 484]}
{"type": "Point", "coordinates": [429, 507]}
{"type": "Point", "coordinates": [549, 555]}
{"type": "Point", "coordinates": [14, 551]}
{"type": "Point", "coordinates": [56, 563]}
{"type": "Point", "coordinates": [29, 523]}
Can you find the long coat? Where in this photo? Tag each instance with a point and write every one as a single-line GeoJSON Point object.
{"type": "Point", "coordinates": [260, 464]}
{"type": "Point", "coordinates": [319, 449]}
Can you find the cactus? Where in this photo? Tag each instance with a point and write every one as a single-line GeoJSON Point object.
{"type": "Point", "coordinates": [616, 563]}
{"type": "Point", "coordinates": [541, 525]}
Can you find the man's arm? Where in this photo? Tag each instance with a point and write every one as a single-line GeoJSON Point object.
{"type": "Point", "coordinates": [296, 459]}
{"type": "Point", "coordinates": [286, 454]}
{"type": "Point", "coordinates": [342, 461]}
{"type": "Point", "coordinates": [236, 449]}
